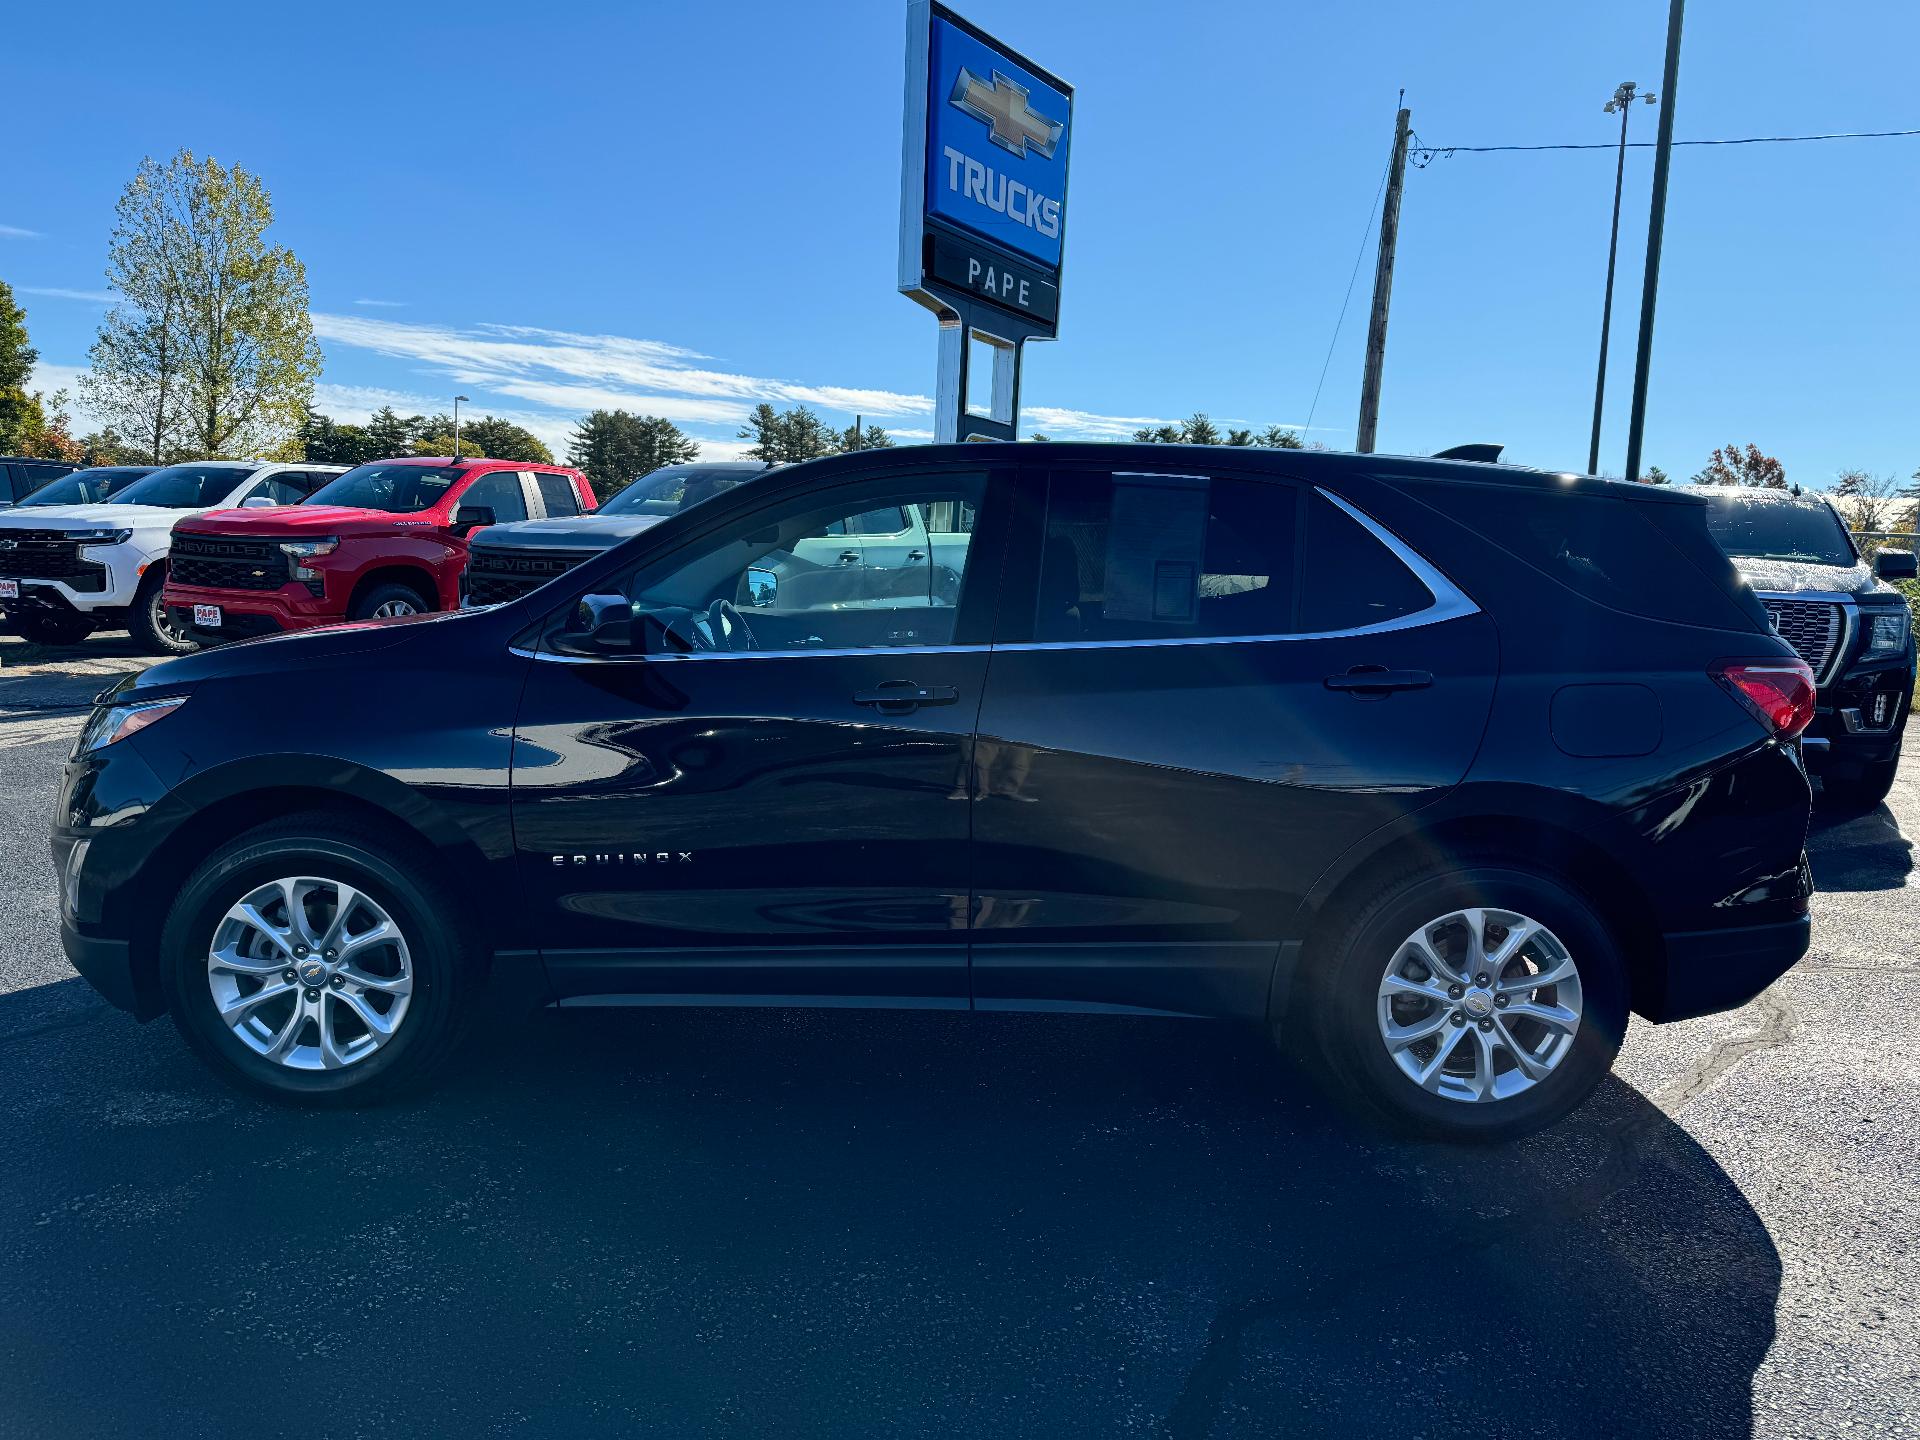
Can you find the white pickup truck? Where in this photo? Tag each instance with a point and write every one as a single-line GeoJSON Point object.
{"type": "Point", "coordinates": [69, 569]}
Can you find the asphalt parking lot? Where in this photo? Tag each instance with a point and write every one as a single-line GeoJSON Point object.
{"type": "Point", "coordinates": [815, 1223]}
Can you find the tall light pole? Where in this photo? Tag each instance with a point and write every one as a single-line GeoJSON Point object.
{"type": "Point", "coordinates": [1656, 227]}
{"type": "Point", "coordinates": [456, 425]}
{"type": "Point", "coordinates": [1622, 101]}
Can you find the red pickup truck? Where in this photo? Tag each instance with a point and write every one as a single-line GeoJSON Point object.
{"type": "Point", "coordinates": [386, 538]}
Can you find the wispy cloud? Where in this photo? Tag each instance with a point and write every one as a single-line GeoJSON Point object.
{"type": "Point", "coordinates": [16, 232]}
{"type": "Point", "coordinates": [383, 304]}
{"type": "Point", "coordinates": [56, 292]}
{"type": "Point", "coordinates": [1084, 424]}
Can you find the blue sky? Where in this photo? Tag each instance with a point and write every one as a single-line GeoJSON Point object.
{"type": "Point", "coordinates": [685, 209]}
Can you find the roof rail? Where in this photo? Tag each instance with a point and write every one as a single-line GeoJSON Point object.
{"type": "Point", "coordinates": [1485, 454]}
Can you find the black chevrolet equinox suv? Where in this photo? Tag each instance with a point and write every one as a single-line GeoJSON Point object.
{"type": "Point", "coordinates": [1435, 769]}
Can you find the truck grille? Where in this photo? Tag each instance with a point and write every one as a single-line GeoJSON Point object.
{"type": "Point", "coordinates": [220, 562]}
{"type": "Point", "coordinates": [1811, 627]}
{"type": "Point", "coordinates": [40, 555]}
{"type": "Point", "coordinates": [496, 576]}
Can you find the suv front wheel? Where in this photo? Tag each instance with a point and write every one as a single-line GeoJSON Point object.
{"type": "Point", "coordinates": [304, 962]}
{"type": "Point", "coordinates": [1473, 1004]}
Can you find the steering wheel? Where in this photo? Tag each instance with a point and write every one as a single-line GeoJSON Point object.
{"type": "Point", "coordinates": [726, 628]}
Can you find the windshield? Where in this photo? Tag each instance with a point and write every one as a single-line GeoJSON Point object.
{"type": "Point", "coordinates": [1765, 529]}
{"type": "Point", "coordinates": [84, 487]}
{"type": "Point", "coordinates": [673, 488]}
{"type": "Point", "coordinates": [185, 487]}
{"type": "Point", "coordinates": [383, 485]}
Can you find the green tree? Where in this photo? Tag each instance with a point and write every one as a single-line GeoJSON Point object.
{"type": "Point", "coordinates": [389, 433]}
{"type": "Point", "coordinates": [108, 447]}
{"type": "Point", "coordinates": [1730, 465]}
{"type": "Point", "coordinates": [1654, 476]}
{"type": "Point", "coordinates": [786, 436]}
{"type": "Point", "coordinates": [22, 416]}
{"type": "Point", "coordinates": [503, 440]}
{"type": "Point", "coordinates": [871, 438]}
{"type": "Point", "coordinates": [613, 448]}
{"type": "Point", "coordinates": [1275, 437]}
{"type": "Point", "coordinates": [209, 350]}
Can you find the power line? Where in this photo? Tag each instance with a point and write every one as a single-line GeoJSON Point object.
{"type": "Point", "coordinates": [1424, 155]}
{"type": "Point", "coordinates": [1359, 255]}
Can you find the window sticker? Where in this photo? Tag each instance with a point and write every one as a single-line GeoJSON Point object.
{"type": "Point", "coordinates": [1156, 543]}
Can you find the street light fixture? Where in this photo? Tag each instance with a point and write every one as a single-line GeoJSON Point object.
{"type": "Point", "coordinates": [460, 398]}
{"type": "Point", "coordinates": [1623, 99]}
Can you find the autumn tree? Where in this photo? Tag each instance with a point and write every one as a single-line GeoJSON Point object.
{"type": "Point", "coordinates": [1731, 465]}
{"type": "Point", "coordinates": [209, 350]}
{"type": "Point", "coordinates": [1871, 502]}
{"type": "Point", "coordinates": [613, 448]}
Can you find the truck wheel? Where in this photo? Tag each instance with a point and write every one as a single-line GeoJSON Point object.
{"type": "Point", "coordinates": [1860, 792]}
{"type": "Point", "coordinates": [385, 602]}
{"type": "Point", "coordinates": [1478, 1003]}
{"type": "Point", "coordinates": [306, 961]}
{"type": "Point", "coordinates": [149, 624]}
{"type": "Point", "coordinates": [52, 627]}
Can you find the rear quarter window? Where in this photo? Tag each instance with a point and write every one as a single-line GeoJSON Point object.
{"type": "Point", "coordinates": [1650, 559]}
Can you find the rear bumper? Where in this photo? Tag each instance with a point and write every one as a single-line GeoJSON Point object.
{"type": "Point", "coordinates": [1707, 971]}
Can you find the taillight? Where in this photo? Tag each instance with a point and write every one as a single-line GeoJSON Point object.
{"type": "Point", "coordinates": [1780, 693]}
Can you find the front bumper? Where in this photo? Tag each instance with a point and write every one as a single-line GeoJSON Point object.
{"type": "Point", "coordinates": [107, 965]}
{"type": "Point", "coordinates": [247, 613]}
{"type": "Point", "coordinates": [1861, 718]}
{"type": "Point", "coordinates": [1706, 971]}
{"type": "Point", "coordinates": [108, 579]}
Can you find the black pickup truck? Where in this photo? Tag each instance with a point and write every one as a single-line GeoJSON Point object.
{"type": "Point", "coordinates": [504, 562]}
{"type": "Point", "coordinates": [1838, 611]}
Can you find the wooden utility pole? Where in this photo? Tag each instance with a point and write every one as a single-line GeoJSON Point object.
{"type": "Point", "coordinates": [1382, 290]}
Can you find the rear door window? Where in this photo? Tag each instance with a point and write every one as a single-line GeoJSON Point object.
{"type": "Point", "coordinates": [1349, 578]}
{"type": "Point", "coordinates": [1131, 556]}
{"type": "Point", "coordinates": [557, 494]}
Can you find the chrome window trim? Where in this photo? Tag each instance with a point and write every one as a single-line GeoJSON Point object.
{"type": "Point", "coordinates": [1449, 603]}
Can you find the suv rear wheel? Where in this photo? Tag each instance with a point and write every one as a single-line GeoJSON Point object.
{"type": "Point", "coordinates": [304, 962]}
{"type": "Point", "coordinates": [1474, 1004]}
{"type": "Point", "coordinates": [148, 622]}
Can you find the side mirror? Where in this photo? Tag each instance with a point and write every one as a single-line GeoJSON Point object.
{"type": "Point", "coordinates": [1895, 565]}
{"type": "Point", "coordinates": [471, 517]}
{"type": "Point", "coordinates": [600, 624]}
{"type": "Point", "coordinates": [258, 502]}
{"type": "Point", "coordinates": [763, 587]}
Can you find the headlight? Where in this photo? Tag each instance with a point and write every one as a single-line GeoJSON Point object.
{"type": "Point", "coordinates": [98, 537]}
{"type": "Point", "coordinates": [112, 723]}
{"type": "Point", "coordinates": [299, 550]}
{"type": "Point", "coordinates": [1887, 634]}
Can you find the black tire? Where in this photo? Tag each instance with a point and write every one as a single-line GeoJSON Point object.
{"type": "Point", "coordinates": [147, 620]}
{"type": "Point", "coordinates": [1860, 792]}
{"type": "Point", "coordinates": [53, 627]}
{"type": "Point", "coordinates": [445, 974]}
{"type": "Point", "coordinates": [366, 606]}
{"type": "Point", "coordinates": [1344, 993]}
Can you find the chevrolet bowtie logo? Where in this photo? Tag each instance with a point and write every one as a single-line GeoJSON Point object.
{"type": "Point", "coordinates": [1002, 104]}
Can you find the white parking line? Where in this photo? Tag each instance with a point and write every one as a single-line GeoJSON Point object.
{"type": "Point", "coordinates": [17, 731]}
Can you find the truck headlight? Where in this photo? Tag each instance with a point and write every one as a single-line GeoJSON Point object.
{"type": "Point", "coordinates": [1887, 634]}
{"type": "Point", "coordinates": [299, 550]}
{"type": "Point", "coordinates": [98, 537]}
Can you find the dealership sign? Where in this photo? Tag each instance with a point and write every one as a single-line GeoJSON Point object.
{"type": "Point", "coordinates": [984, 188]}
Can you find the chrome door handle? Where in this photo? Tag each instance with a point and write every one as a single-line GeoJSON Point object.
{"type": "Point", "coordinates": [847, 557]}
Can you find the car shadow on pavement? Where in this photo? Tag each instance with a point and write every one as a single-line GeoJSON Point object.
{"type": "Point", "coordinates": [1859, 852]}
{"type": "Point", "coordinates": [835, 1223]}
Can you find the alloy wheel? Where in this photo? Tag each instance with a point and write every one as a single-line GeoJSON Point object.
{"type": "Point", "coordinates": [392, 608]}
{"type": "Point", "coordinates": [310, 973]}
{"type": "Point", "coordinates": [1480, 1005]}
